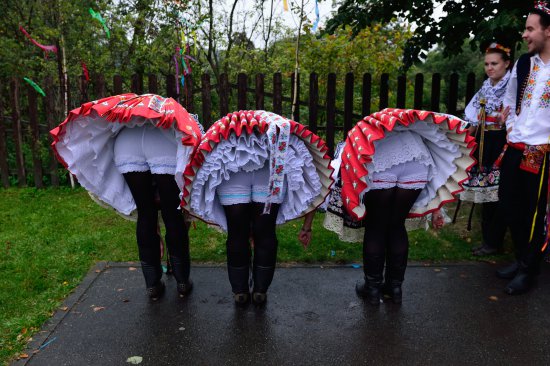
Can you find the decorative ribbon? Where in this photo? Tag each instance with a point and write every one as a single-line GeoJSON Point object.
{"type": "Point", "coordinates": [538, 199]}
{"type": "Point", "coordinates": [278, 135]}
{"type": "Point", "coordinates": [35, 86]}
{"type": "Point", "coordinates": [547, 236]}
{"type": "Point", "coordinates": [85, 71]}
{"type": "Point", "coordinates": [285, 5]}
{"type": "Point", "coordinates": [317, 16]}
{"type": "Point", "coordinates": [482, 116]}
{"type": "Point", "coordinates": [99, 18]}
{"type": "Point", "coordinates": [547, 223]}
{"type": "Point", "coordinates": [44, 48]}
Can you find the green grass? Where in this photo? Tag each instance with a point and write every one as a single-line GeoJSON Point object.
{"type": "Point", "coordinates": [50, 238]}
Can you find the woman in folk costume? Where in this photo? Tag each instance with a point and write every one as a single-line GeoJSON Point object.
{"type": "Point", "coordinates": [486, 120]}
{"type": "Point", "coordinates": [118, 148]}
{"type": "Point", "coordinates": [397, 164]}
{"type": "Point", "coordinates": [253, 170]}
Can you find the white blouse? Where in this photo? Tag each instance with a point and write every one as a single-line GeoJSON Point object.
{"type": "Point", "coordinates": [532, 125]}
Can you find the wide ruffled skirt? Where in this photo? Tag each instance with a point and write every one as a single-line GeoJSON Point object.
{"type": "Point", "coordinates": [307, 175]}
{"type": "Point", "coordinates": [450, 148]}
{"type": "Point", "coordinates": [84, 142]}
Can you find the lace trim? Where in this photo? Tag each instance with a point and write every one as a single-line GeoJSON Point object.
{"type": "Point", "coordinates": [398, 148]}
{"type": "Point", "coordinates": [335, 223]}
{"type": "Point", "coordinates": [248, 153]}
{"type": "Point", "coordinates": [480, 195]}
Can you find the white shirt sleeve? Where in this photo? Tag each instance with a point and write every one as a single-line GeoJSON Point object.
{"type": "Point", "coordinates": [470, 112]}
{"type": "Point", "coordinates": [510, 97]}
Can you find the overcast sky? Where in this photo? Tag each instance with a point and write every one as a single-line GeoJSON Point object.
{"type": "Point", "coordinates": [291, 20]}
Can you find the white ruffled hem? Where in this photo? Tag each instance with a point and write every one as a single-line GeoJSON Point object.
{"type": "Point", "coordinates": [335, 223]}
{"type": "Point", "coordinates": [443, 153]}
{"type": "Point", "coordinates": [250, 153]}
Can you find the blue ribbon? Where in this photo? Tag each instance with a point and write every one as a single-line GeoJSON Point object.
{"type": "Point", "coordinates": [317, 14]}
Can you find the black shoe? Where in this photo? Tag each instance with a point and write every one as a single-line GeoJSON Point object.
{"type": "Point", "coordinates": [484, 250]}
{"type": "Point", "coordinates": [239, 279]}
{"type": "Point", "coordinates": [259, 298]}
{"type": "Point", "coordinates": [184, 288]}
{"type": "Point", "coordinates": [508, 272]}
{"type": "Point", "coordinates": [241, 299]}
{"type": "Point", "coordinates": [392, 291]}
{"type": "Point", "coordinates": [155, 292]}
{"type": "Point", "coordinates": [521, 283]}
{"type": "Point", "coordinates": [475, 249]}
{"type": "Point", "coordinates": [369, 290]}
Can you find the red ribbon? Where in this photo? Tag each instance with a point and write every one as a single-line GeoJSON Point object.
{"type": "Point", "coordinates": [46, 49]}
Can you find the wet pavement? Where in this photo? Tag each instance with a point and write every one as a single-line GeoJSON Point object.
{"type": "Point", "coordinates": [451, 315]}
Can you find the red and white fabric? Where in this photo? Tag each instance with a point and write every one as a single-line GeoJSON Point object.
{"type": "Point", "coordinates": [84, 142]}
{"type": "Point", "coordinates": [239, 142]}
{"type": "Point", "coordinates": [451, 169]}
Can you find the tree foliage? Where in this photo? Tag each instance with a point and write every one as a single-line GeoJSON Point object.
{"type": "Point", "coordinates": [485, 20]}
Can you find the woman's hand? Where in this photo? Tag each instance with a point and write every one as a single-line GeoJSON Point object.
{"type": "Point", "coordinates": [503, 116]}
{"type": "Point", "coordinates": [437, 219]}
{"type": "Point", "coordinates": [304, 236]}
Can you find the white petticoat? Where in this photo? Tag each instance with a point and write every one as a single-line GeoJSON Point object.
{"type": "Point", "coordinates": [87, 147]}
{"type": "Point", "coordinates": [249, 153]}
{"type": "Point", "coordinates": [424, 143]}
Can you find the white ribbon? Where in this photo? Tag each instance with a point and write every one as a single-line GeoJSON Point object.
{"type": "Point", "coordinates": [278, 135]}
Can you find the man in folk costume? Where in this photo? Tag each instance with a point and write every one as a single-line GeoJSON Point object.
{"type": "Point", "coordinates": [524, 176]}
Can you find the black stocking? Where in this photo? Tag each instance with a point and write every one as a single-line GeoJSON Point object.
{"type": "Point", "coordinates": [148, 240]}
{"type": "Point", "coordinates": [265, 246]}
{"type": "Point", "coordinates": [386, 237]}
{"type": "Point", "coordinates": [177, 234]}
{"type": "Point", "coordinates": [378, 204]}
{"type": "Point", "coordinates": [238, 245]}
{"type": "Point", "coordinates": [398, 239]}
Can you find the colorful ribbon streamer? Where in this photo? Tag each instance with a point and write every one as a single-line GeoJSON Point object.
{"type": "Point", "coordinates": [278, 135]}
{"type": "Point", "coordinates": [317, 16]}
{"type": "Point", "coordinates": [35, 86]}
{"type": "Point", "coordinates": [99, 18]}
{"type": "Point", "coordinates": [44, 48]}
{"type": "Point", "coordinates": [177, 71]}
{"type": "Point", "coordinates": [85, 71]}
{"type": "Point", "coordinates": [285, 5]}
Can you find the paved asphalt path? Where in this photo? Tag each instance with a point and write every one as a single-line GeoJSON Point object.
{"type": "Point", "coordinates": [455, 314]}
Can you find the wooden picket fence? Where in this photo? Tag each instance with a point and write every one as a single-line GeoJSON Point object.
{"type": "Point", "coordinates": [26, 117]}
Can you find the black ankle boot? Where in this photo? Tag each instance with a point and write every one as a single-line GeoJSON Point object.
{"type": "Point", "coordinates": [155, 292]}
{"type": "Point", "coordinates": [392, 291]}
{"type": "Point", "coordinates": [153, 280]}
{"type": "Point", "coordinates": [509, 271]}
{"type": "Point", "coordinates": [241, 299]}
{"type": "Point", "coordinates": [180, 270]}
{"type": "Point", "coordinates": [239, 280]}
{"type": "Point", "coordinates": [263, 276]}
{"type": "Point", "coordinates": [184, 288]}
{"type": "Point", "coordinates": [522, 282]}
{"type": "Point", "coordinates": [369, 288]}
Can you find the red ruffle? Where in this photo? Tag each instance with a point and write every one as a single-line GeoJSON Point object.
{"type": "Point", "coordinates": [121, 108]}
